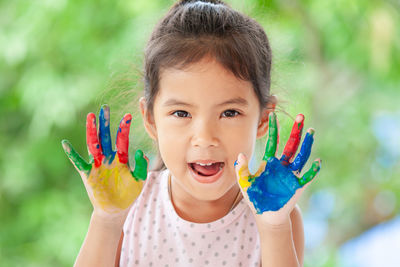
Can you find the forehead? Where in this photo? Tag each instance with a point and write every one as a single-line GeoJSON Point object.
{"type": "Point", "coordinates": [204, 82]}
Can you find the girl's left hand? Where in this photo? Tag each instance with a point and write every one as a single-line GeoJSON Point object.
{"type": "Point", "coordinates": [272, 192]}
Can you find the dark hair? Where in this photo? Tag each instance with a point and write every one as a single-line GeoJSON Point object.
{"type": "Point", "coordinates": [193, 29]}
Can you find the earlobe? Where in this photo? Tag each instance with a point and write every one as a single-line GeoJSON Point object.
{"type": "Point", "coordinates": [263, 122]}
{"type": "Point", "coordinates": [148, 121]}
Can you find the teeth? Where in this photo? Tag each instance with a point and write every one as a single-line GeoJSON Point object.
{"type": "Point", "coordinates": [208, 164]}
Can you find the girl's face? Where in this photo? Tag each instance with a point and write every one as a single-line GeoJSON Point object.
{"type": "Point", "coordinates": [205, 113]}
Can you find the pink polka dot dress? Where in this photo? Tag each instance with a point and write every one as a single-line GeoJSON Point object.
{"type": "Point", "coordinates": [155, 235]}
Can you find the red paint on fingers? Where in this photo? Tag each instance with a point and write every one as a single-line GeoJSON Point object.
{"type": "Point", "coordinates": [92, 139]}
{"type": "Point", "coordinates": [294, 140]}
{"type": "Point", "coordinates": [123, 138]}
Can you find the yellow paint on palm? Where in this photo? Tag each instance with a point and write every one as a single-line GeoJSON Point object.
{"type": "Point", "coordinates": [244, 177]}
{"type": "Point", "coordinates": [113, 186]}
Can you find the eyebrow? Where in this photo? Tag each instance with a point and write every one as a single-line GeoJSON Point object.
{"type": "Point", "coordinates": [237, 100]}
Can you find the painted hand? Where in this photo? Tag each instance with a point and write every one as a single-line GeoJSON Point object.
{"type": "Point", "coordinates": [274, 189]}
{"type": "Point", "coordinates": [111, 185]}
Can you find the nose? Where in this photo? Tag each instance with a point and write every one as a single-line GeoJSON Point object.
{"type": "Point", "coordinates": [204, 134]}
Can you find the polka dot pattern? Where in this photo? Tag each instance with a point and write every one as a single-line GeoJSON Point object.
{"type": "Point", "coordinates": [154, 234]}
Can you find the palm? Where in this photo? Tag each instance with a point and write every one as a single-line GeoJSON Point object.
{"type": "Point", "coordinates": [111, 185]}
{"type": "Point", "coordinates": [273, 188]}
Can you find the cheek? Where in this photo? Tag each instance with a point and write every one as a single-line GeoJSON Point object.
{"type": "Point", "coordinates": [171, 136]}
{"type": "Point", "coordinates": [241, 140]}
{"type": "Point", "coordinates": [170, 143]}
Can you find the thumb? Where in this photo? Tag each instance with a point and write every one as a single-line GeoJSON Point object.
{"type": "Point", "coordinates": [242, 172]}
{"type": "Point", "coordinates": [79, 163]}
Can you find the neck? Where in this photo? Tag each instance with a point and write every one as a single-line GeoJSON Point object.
{"type": "Point", "coordinates": [206, 210]}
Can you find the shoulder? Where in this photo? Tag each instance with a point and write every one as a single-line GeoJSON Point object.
{"type": "Point", "coordinates": [298, 232]}
{"type": "Point", "coordinates": [296, 214]}
{"type": "Point", "coordinates": [149, 185]}
{"type": "Point", "coordinates": [297, 220]}
{"type": "Point", "coordinates": [153, 175]}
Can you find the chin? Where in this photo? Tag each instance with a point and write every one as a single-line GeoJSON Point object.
{"type": "Point", "coordinates": [212, 194]}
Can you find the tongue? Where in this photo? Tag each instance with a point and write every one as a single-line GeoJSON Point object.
{"type": "Point", "coordinates": [207, 170]}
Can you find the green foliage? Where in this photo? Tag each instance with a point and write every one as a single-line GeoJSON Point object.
{"type": "Point", "coordinates": [336, 61]}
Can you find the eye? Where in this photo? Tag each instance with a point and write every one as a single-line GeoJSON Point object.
{"type": "Point", "coordinates": [230, 113]}
{"type": "Point", "coordinates": [181, 114]}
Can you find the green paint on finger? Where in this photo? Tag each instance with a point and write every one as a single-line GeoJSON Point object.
{"type": "Point", "coordinates": [77, 160]}
{"type": "Point", "coordinates": [270, 148]}
{"type": "Point", "coordinates": [140, 172]}
{"type": "Point", "coordinates": [310, 174]}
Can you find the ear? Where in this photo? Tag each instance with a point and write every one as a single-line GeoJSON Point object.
{"type": "Point", "coordinates": [263, 121]}
{"type": "Point", "coordinates": [148, 120]}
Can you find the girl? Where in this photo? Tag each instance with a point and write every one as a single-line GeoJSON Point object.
{"type": "Point", "coordinates": [206, 101]}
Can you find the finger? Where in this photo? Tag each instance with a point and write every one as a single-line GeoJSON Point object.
{"type": "Point", "coordinates": [273, 135]}
{"type": "Point", "coordinates": [294, 140]}
{"type": "Point", "coordinates": [122, 140]}
{"type": "Point", "coordinates": [305, 151]}
{"type": "Point", "coordinates": [311, 173]}
{"type": "Point", "coordinates": [243, 172]}
{"type": "Point", "coordinates": [79, 163]}
{"type": "Point", "coordinates": [141, 163]}
{"type": "Point", "coordinates": [92, 140]}
{"type": "Point", "coordinates": [104, 131]}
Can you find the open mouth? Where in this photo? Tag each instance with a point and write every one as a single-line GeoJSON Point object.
{"type": "Point", "coordinates": [206, 173]}
{"type": "Point", "coordinates": [207, 170]}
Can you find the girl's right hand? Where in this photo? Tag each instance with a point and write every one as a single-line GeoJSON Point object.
{"type": "Point", "coordinates": [111, 185]}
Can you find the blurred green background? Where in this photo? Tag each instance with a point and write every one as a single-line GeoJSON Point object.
{"type": "Point", "coordinates": [336, 61]}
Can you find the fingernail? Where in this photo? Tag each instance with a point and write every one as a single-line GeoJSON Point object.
{"type": "Point", "coordinates": [240, 158]}
{"type": "Point", "coordinates": [65, 146]}
{"type": "Point", "coordinates": [299, 117]}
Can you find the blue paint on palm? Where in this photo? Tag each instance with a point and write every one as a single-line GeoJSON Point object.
{"type": "Point", "coordinates": [273, 188]}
